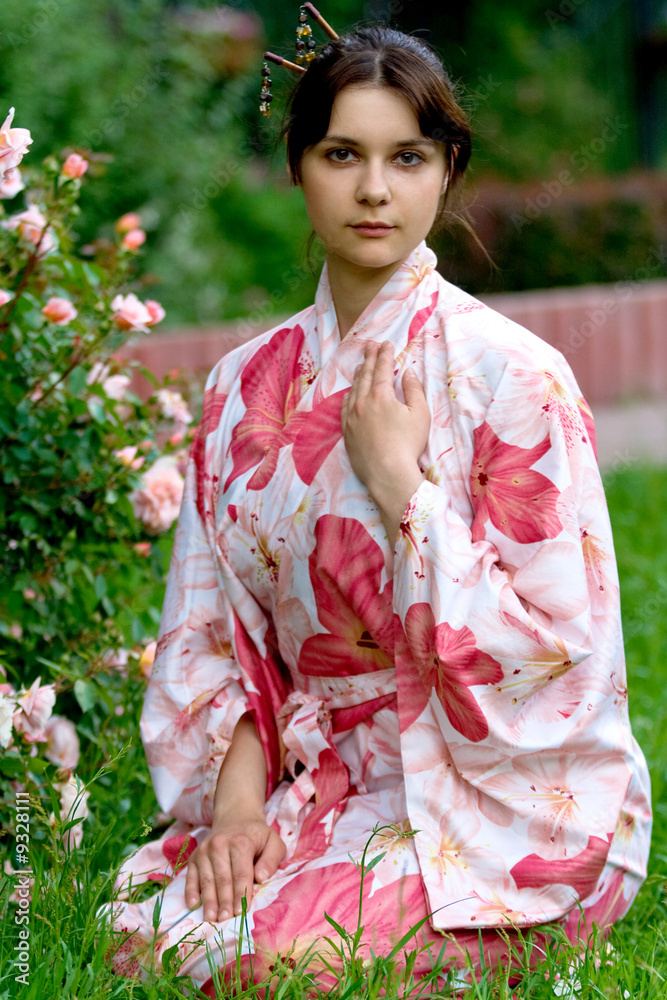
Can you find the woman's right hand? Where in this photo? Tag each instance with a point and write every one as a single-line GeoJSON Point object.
{"type": "Point", "coordinates": [239, 851]}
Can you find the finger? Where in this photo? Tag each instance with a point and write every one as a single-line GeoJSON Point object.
{"type": "Point", "coordinates": [270, 858]}
{"type": "Point", "coordinates": [192, 892]}
{"type": "Point", "coordinates": [343, 411]}
{"type": "Point", "coordinates": [363, 374]}
{"type": "Point", "coordinates": [209, 890]}
{"type": "Point", "coordinates": [350, 399]}
{"type": "Point", "coordinates": [222, 879]}
{"type": "Point", "coordinates": [242, 859]}
{"type": "Point", "coordinates": [413, 391]}
{"type": "Point", "coordinates": [383, 375]}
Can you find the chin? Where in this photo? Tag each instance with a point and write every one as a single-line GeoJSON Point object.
{"type": "Point", "coordinates": [373, 255]}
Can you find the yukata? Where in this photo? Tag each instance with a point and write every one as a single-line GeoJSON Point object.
{"type": "Point", "coordinates": [461, 688]}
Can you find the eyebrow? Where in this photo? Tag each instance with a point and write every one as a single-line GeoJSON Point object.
{"type": "Point", "coordinates": [346, 141]}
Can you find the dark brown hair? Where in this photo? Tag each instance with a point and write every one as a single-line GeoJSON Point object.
{"type": "Point", "coordinates": [380, 57]}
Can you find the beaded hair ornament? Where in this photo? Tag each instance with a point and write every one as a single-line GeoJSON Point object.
{"type": "Point", "coordinates": [305, 53]}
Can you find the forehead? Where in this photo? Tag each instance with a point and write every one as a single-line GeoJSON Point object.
{"type": "Point", "coordinates": [366, 112]}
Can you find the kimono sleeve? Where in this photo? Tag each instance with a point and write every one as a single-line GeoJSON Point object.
{"type": "Point", "coordinates": [510, 667]}
{"type": "Point", "coordinates": [208, 671]}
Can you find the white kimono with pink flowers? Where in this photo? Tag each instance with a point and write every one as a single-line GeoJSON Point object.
{"type": "Point", "coordinates": [465, 681]}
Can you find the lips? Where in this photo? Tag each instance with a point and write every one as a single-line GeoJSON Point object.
{"type": "Point", "coordinates": [373, 230]}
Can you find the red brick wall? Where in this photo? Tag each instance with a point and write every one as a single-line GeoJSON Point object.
{"type": "Point", "coordinates": [614, 336]}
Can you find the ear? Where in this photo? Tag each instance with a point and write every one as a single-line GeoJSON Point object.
{"type": "Point", "coordinates": [295, 181]}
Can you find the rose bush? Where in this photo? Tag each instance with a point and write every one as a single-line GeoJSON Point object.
{"type": "Point", "coordinates": [91, 482]}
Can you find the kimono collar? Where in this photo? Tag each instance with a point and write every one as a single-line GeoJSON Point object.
{"type": "Point", "coordinates": [399, 295]}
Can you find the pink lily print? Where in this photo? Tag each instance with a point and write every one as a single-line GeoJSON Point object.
{"type": "Point", "coordinates": [448, 660]}
{"type": "Point", "coordinates": [520, 502]}
{"type": "Point", "coordinates": [271, 391]}
{"type": "Point", "coordinates": [345, 570]}
{"type": "Point", "coordinates": [212, 411]}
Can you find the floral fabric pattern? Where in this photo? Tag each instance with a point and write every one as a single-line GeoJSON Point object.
{"type": "Point", "coordinates": [465, 680]}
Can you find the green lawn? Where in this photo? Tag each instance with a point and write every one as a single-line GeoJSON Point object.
{"type": "Point", "coordinates": [68, 956]}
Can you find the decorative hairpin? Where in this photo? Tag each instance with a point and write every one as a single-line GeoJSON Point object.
{"type": "Point", "coordinates": [305, 53]}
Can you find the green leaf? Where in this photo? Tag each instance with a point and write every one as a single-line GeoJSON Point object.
{"type": "Point", "coordinates": [406, 937]}
{"type": "Point", "coordinates": [27, 523]}
{"type": "Point", "coordinates": [37, 765]}
{"type": "Point", "coordinates": [96, 410]}
{"type": "Point", "coordinates": [76, 382]}
{"type": "Point", "coordinates": [108, 606]}
{"type": "Point", "coordinates": [100, 587]}
{"type": "Point", "coordinates": [84, 692]}
{"type": "Point", "coordinates": [337, 927]}
{"type": "Point", "coordinates": [78, 407]}
{"type": "Point", "coordinates": [376, 860]}
{"type": "Point", "coordinates": [55, 668]}
{"type": "Point", "coordinates": [11, 766]}
{"type": "Point", "coordinates": [92, 274]}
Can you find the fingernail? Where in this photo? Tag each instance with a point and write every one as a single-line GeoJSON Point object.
{"type": "Point", "coordinates": [224, 915]}
{"type": "Point", "coordinates": [209, 913]}
{"type": "Point", "coordinates": [261, 875]}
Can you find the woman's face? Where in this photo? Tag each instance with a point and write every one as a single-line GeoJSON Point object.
{"type": "Point", "coordinates": [372, 166]}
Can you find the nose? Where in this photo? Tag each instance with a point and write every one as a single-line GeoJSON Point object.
{"type": "Point", "coordinates": [373, 188]}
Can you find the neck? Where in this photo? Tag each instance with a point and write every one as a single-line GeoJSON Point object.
{"type": "Point", "coordinates": [354, 288]}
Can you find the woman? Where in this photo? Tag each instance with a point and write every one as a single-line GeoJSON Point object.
{"type": "Point", "coordinates": [393, 599]}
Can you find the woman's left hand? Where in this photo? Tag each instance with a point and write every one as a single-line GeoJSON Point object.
{"type": "Point", "coordinates": [385, 438]}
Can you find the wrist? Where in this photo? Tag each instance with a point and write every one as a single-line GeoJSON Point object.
{"type": "Point", "coordinates": [393, 487]}
{"type": "Point", "coordinates": [246, 809]}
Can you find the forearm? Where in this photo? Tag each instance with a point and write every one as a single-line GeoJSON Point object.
{"type": "Point", "coordinates": [242, 780]}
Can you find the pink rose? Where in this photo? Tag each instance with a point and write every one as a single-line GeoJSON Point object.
{"type": "Point", "coordinates": [4, 297]}
{"type": "Point", "coordinates": [7, 709]}
{"type": "Point", "coordinates": [182, 458]}
{"type": "Point", "coordinates": [127, 222]}
{"type": "Point", "coordinates": [133, 239]}
{"type": "Point", "coordinates": [117, 658]}
{"type": "Point", "coordinates": [34, 708]}
{"type": "Point", "coordinates": [73, 805]}
{"type": "Point", "coordinates": [173, 406]}
{"type": "Point", "coordinates": [147, 659]}
{"type": "Point", "coordinates": [12, 184]}
{"type": "Point", "coordinates": [32, 228]}
{"type": "Point", "coordinates": [74, 166]}
{"type": "Point", "coordinates": [127, 456]}
{"type": "Point", "coordinates": [156, 311]}
{"type": "Point", "coordinates": [143, 548]}
{"type": "Point", "coordinates": [116, 385]}
{"type": "Point", "coordinates": [130, 313]}
{"type": "Point", "coordinates": [158, 502]}
{"type": "Point", "coordinates": [14, 144]}
{"type": "Point", "coordinates": [62, 742]}
{"type": "Point", "coordinates": [60, 311]}
{"type": "Point", "coordinates": [97, 373]}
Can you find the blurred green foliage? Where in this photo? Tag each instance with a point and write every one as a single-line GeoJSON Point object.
{"type": "Point", "coordinates": [169, 91]}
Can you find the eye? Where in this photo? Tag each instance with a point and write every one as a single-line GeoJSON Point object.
{"type": "Point", "coordinates": [340, 155]}
{"type": "Point", "coordinates": [409, 158]}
